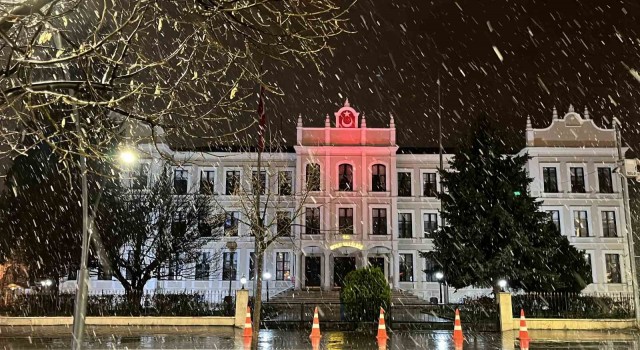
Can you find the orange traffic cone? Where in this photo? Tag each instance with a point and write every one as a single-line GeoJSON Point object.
{"type": "Point", "coordinates": [457, 329]}
{"type": "Point", "coordinates": [247, 343]}
{"type": "Point", "coordinates": [248, 332]}
{"type": "Point", "coordinates": [315, 343]}
{"type": "Point", "coordinates": [315, 329]}
{"type": "Point", "coordinates": [458, 344]}
{"type": "Point", "coordinates": [524, 333]}
{"type": "Point", "coordinates": [382, 344]}
{"type": "Point", "coordinates": [524, 344]}
{"type": "Point", "coordinates": [382, 329]}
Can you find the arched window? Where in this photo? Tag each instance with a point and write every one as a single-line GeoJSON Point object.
{"type": "Point", "coordinates": [313, 177]}
{"type": "Point", "coordinates": [345, 175]}
{"type": "Point", "coordinates": [378, 178]}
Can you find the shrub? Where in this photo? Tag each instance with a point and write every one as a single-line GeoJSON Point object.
{"type": "Point", "coordinates": [364, 292]}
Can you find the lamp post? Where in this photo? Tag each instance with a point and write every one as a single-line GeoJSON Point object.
{"type": "Point", "coordinates": [82, 291]}
{"type": "Point", "coordinates": [439, 275]}
{"type": "Point", "coordinates": [232, 246]}
{"type": "Point", "coordinates": [267, 277]}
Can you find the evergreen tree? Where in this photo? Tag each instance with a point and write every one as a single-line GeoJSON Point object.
{"type": "Point", "coordinates": [495, 229]}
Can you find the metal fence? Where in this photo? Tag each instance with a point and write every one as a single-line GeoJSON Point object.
{"type": "Point", "coordinates": [119, 303]}
{"type": "Point", "coordinates": [574, 305]}
{"type": "Point", "coordinates": [478, 316]}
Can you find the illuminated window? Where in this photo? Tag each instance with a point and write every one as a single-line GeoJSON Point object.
{"type": "Point", "coordinates": [379, 178]}
{"type": "Point", "coordinates": [283, 266]}
{"type": "Point", "coordinates": [581, 223]}
{"type": "Point", "coordinates": [345, 176]}
{"type": "Point", "coordinates": [313, 177]}
{"type": "Point", "coordinates": [406, 267]}
{"type": "Point", "coordinates": [612, 265]}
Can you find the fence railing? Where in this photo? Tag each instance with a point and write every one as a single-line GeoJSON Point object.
{"type": "Point", "coordinates": [119, 303]}
{"type": "Point", "coordinates": [574, 305]}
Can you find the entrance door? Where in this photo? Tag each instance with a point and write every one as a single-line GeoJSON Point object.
{"type": "Point", "coordinates": [312, 271]}
{"type": "Point", "coordinates": [341, 267]}
{"type": "Point", "coordinates": [377, 262]}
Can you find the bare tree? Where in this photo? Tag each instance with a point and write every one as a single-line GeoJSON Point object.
{"type": "Point", "coordinates": [183, 65]}
{"type": "Point", "coordinates": [154, 232]}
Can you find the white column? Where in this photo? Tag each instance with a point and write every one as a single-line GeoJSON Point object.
{"type": "Point", "coordinates": [326, 273]}
{"type": "Point", "coordinates": [363, 257]}
{"type": "Point", "coordinates": [395, 266]}
{"type": "Point", "coordinates": [298, 273]}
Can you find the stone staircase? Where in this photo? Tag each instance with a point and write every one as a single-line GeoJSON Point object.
{"type": "Point", "coordinates": [315, 296]}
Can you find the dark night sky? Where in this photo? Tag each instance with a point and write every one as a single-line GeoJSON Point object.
{"type": "Point", "coordinates": [555, 52]}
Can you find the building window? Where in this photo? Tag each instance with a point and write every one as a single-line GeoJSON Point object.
{"type": "Point", "coordinates": [550, 178]}
{"type": "Point", "coordinates": [577, 180]}
{"type": "Point", "coordinates": [283, 223]}
{"type": "Point", "coordinates": [313, 177]}
{"type": "Point", "coordinates": [175, 268]}
{"type": "Point", "coordinates": [229, 266]}
{"type": "Point", "coordinates": [609, 228]}
{"type": "Point", "coordinates": [429, 186]}
{"type": "Point", "coordinates": [204, 225]}
{"type": "Point", "coordinates": [406, 267]}
{"type": "Point", "coordinates": [283, 266]}
{"type": "Point", "coordinates": [405, 225]}
{"type": "Point", "coordinates": [345, 221]}
{"type": "Point", "coordinates": [178, 224]}
{"type": "Point", "coordinates": [581, 223]}
{"type": "Point", "coordinates": [285, 183]}
{"type": "Point", "coordinates": [312, 221]}
{"type": "Point", "coordinates": [430, 271]}
{"type": "Point", "coordinates": [605, 184]}
{"type": "Point", "coordinates": [587, 259]}
{"type": "Point", "coordinates": [430, 224]}
{"type": "Point", "coordinates": [379, 178]}
{"type": "Point", "coordinates": [252, 266]}
{"type": "Point", "coordinates": [554, 216]}
{"type": "Point", "coordinates": [207, 181]}
{"type": "Point", "coordinates": [180, 181]}
{"type": "Point", "coordinates": [232, 183]}
{"type": "Point", "coordinates": [259, 183]}
{"type": "Point", "coordinates": [202, 267]}
{"type": "Point", "coordinates": [404, 184]}
{"type": "Point", "coordinates": [231, 223]}
{"type": "Point", "coordinates": [345, 176]}
{"type": "Point", "coordinates": [612, 264]}
{"type": "Point", "coordinates": [379, 218]}
{"type": "Point", "coordinates": [141, 177]}
{"type": "Point", "coordinates": [104, 274]}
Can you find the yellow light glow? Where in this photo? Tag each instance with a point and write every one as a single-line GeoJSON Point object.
{"type": "Point", "coordinates": [356, 245]}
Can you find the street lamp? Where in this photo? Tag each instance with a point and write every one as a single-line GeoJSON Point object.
{"type": "Point", "coordinates": [267, 277]}
{"type": "Point", "coordinates": [439, 275]}
{"type": "Point", "coordinates": [127, 156]}
{"type": "Point", "coordinates": [502, 284]}
{"type": "Point", "coordinates": [82, 290]}
{"type": "Point", "coordinates": [243, 281]}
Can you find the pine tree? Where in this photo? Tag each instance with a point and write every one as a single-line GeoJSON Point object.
{"type": "Point", "coordinates": [495, 228]}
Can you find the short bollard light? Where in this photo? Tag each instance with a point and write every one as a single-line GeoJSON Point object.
{"type": "Point", "coordinates": [243, 281]}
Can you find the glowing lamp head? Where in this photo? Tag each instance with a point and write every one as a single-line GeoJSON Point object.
{"type": "Point", "coordinates": [267, 275]}
{"type": "Point", "coordinates": [502, 283]}
{"type": "Point", "coordinates": [127, 156]}
{"type": "Point", "coordinates": [439, 275]}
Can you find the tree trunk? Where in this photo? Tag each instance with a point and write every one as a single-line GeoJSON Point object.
{"type": "Point", "coordinates": [257, 294]}
{"type": "Point", "coordinates": [133, 296]}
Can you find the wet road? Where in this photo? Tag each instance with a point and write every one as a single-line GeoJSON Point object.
{"type": "Point", "coordinates": [229, 338]}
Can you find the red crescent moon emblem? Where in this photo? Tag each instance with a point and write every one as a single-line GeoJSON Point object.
{"type": "Point", "coordinates": [347, 119]}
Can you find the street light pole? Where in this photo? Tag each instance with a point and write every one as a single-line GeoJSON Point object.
{"type": "Point", "coordinates": [627, 219]}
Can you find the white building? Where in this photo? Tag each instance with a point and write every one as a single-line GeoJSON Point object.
{"type": "Point", "coordinates": [375, 204]}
